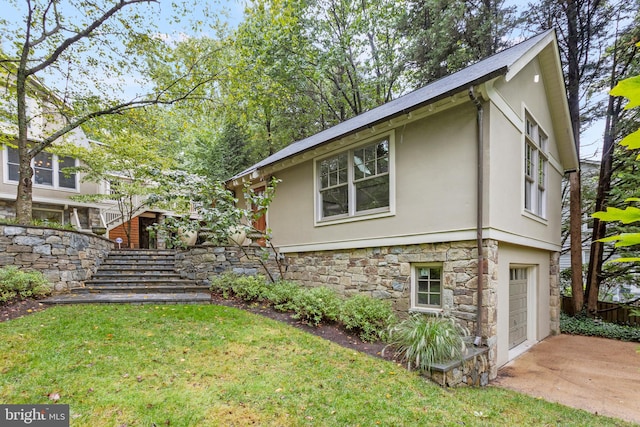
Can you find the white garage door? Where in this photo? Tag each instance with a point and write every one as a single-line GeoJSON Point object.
{"type": "Point", "coordinates": [517, 306]}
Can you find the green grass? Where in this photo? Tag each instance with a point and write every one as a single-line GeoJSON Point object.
{"type": "Point", "coordinates": [209, 365]}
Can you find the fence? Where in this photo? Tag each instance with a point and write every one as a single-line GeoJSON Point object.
{"type": "Point", "coordinates": [609, 312]}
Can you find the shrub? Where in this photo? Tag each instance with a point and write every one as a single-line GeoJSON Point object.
{"type": "Point", "coordinates": [282, 293]}
{"type": "Point", "coordinates": [20, 284]}
{"type": "Point", "coordinates": [371, 317]}
{"type": "Point", "coordinates": [316, 304]}
{"type": "Point", "coordinates": [250, 288]}
{"type": "Point", "coordinates": [581, 324]}
{"type": "Point", "coordinates": [223, 284]}
{"type": "Point", "coordinates": [422, 340]}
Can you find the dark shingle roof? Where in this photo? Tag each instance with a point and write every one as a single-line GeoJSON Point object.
{"type": "Point", "coordinates": [477, 73]}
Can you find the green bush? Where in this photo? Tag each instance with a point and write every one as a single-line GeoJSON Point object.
{"type": "Point", "coordinates": [18, 284]}
{"type": "Point", "coordinates": [371, 317]}
{"type": "Point", "coordinates": [223, 284]}
{"type": "Point", "coordinates": [581, 324]}
{"type": "Point", "coordinates": [250, 288]}
{"type": "Point", "coordinates": [422, 340]}
{"type": "Point", "coordinates": [316, 304]}
{"type": "Point", "coordinates": [282, 293]}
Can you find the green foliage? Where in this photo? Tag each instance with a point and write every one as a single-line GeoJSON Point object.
{"type": "Point", "coordinates": [422, 340]}
{"type": "Point", "coordinates": [581, 324]}
{"type": "Point", "coordinates": [371, 317]}
{"type": "Point", "coordinates": [250, 288]}
{"type": "Point", "coordinates": [18, 284]}
{"type": "Point", "coordinates": [316, 305]}
{"type": "Point", "coordinates": [282, 294]}
{"type": "Point", "coordinates": [223, 284]}
{"type": "Point", "coordinates": [629, 88]}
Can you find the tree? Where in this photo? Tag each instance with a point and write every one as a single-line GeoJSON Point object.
{"type": "Point", "coordinates": [84, 46]}
{"type": "Point", "coordinates": [478, 29]}
{"type": "Point", "coordinates": [582, 27]}
{"type": "Point", "coordinates": [630, 89]}
{"type": "Point", "coordinates": [624, 59]}
{"type": "Point", "coordinates": [129, 158]}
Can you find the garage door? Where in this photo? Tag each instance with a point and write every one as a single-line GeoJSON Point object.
{"type": "Point", "coordinates": [517, 306]}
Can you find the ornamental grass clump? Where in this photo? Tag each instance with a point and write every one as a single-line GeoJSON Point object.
{"type": "Point", "coordinates": [18, 284]}
{"type": "Point", "coordinates": [422, 341]}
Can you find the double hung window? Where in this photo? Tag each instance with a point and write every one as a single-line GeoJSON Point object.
{"type": "Point", "coordinates": [535, 168]}
{"type": "Point", "coordinates": [48, 169]}
{"type": "Point", "coordinates": [355, 181]}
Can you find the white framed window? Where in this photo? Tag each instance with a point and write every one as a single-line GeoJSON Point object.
{"type": "Point", "coordinates": [426, 287]}
{"type": "Point", "coordinates": [355, 182]}
{"type": "Point", "coordinates": [535, 168]}
{"type": "Point", "coordinates": [48, 170]}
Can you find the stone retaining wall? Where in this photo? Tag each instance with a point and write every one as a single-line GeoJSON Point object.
{"type": "Point", "coordinates": [66, 258]}
{"type": "Point", "coordinates": [199, 263]}
{"type": "Point", "coordinates": [473, 370]}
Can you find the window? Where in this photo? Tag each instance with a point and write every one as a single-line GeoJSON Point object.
{"type": "Point", "coordinates": [355, 182]}
{"type": "Point", "coordinates": [43, 168]}
{"type": "Point", "coordinates": [535, 168]}
{"type": "Point", "coordinates": [47, 169]}
{"type": "Point", "coordinates": [66, 179]}
{"type": "Point", "coordinates": [426, 283]}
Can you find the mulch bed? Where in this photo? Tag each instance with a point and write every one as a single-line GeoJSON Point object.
{"type": "Point", "coordinates": [329, 331]}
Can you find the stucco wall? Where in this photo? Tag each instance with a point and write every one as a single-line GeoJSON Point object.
{"type": "Point", "coordinates": [67, 258]}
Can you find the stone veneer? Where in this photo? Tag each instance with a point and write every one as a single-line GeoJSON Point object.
{"type": "Point", "coordinates": [66, 258]}
{"type": "Point", "coordinates": [199, 263]}
{"type": "Point", "coordinates": [385, 272]}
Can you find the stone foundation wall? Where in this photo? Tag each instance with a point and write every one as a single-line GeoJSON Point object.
{"type": "Point", "coordinates": [385, 272]}
{"type": "Point", "coordinates": [554, 290]}
{"type": "Point", "coordinates": [472, 371]}
{"type": "Point", "coordinates": [66, 258]}
{"type": "Point", "coordinates": [201, 262]}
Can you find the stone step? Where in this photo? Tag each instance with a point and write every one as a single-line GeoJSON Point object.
{"type": "Point", "coordinates": [153, 281]}
{"type": "Point", "coordinates": [130, 271]}
{"type": "Point", "coordinates": [131, 298]}
{"type": "Point", "coordinates": [138, 260]}
{"type": "Point", "coordinates": [141, 288]}
{"type": "Point", "coordinates": [143, 274]}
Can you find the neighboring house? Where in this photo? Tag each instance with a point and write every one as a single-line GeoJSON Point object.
{"type": "Point", "coordinates": [395, 202]}
{"type": "Point", "coordinates": [52, 189]}
{"type": "Point", "coordinates": [589, 171]}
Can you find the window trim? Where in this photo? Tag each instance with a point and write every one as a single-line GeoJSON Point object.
{"type": "Point", "coordinates": [352, 215]}
{"type": "Point", "coordinates": [414, 306]}
{"type": "Point", "coordinates": [55, 173]}
{"type": "Point", "coordinates": [536, 154]}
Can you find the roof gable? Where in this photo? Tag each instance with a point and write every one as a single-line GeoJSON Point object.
{"type": "Point", "coordinates": [508, 62]}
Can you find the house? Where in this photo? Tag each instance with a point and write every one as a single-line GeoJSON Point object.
{"type": "Point", "coordinates": [395, 202]}
{"type": "Point", "coordinates": [53, 190]}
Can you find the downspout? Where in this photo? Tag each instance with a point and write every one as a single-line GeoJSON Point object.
{"type": "Point", "coordinates": [479, 196]}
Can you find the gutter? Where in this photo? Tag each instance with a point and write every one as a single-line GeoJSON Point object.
{"type": "Point", "coordinates": [479, 206]}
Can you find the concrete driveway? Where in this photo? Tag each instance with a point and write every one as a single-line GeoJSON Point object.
{"type": "Point", "coordinates": [599, 375]}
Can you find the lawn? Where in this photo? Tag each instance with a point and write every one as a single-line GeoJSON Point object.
{"type": "Point", "coordinates": [210, 365]}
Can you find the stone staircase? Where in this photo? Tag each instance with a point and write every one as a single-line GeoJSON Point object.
{"type": "Point", "coordinates": [137, 276]}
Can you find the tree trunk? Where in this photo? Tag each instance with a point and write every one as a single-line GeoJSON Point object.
{"type": "Point", "coordinates": [575, 231]}
{"type": "Point", "coordinates": [24, 196]}
{"type": "Point", "coordinates": [575, 204]}
{"type": "Point", "coordinates": [600, 227]}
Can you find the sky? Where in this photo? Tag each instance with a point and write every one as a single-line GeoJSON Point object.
{"type": "Point", "coordinates": [231, 12]}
